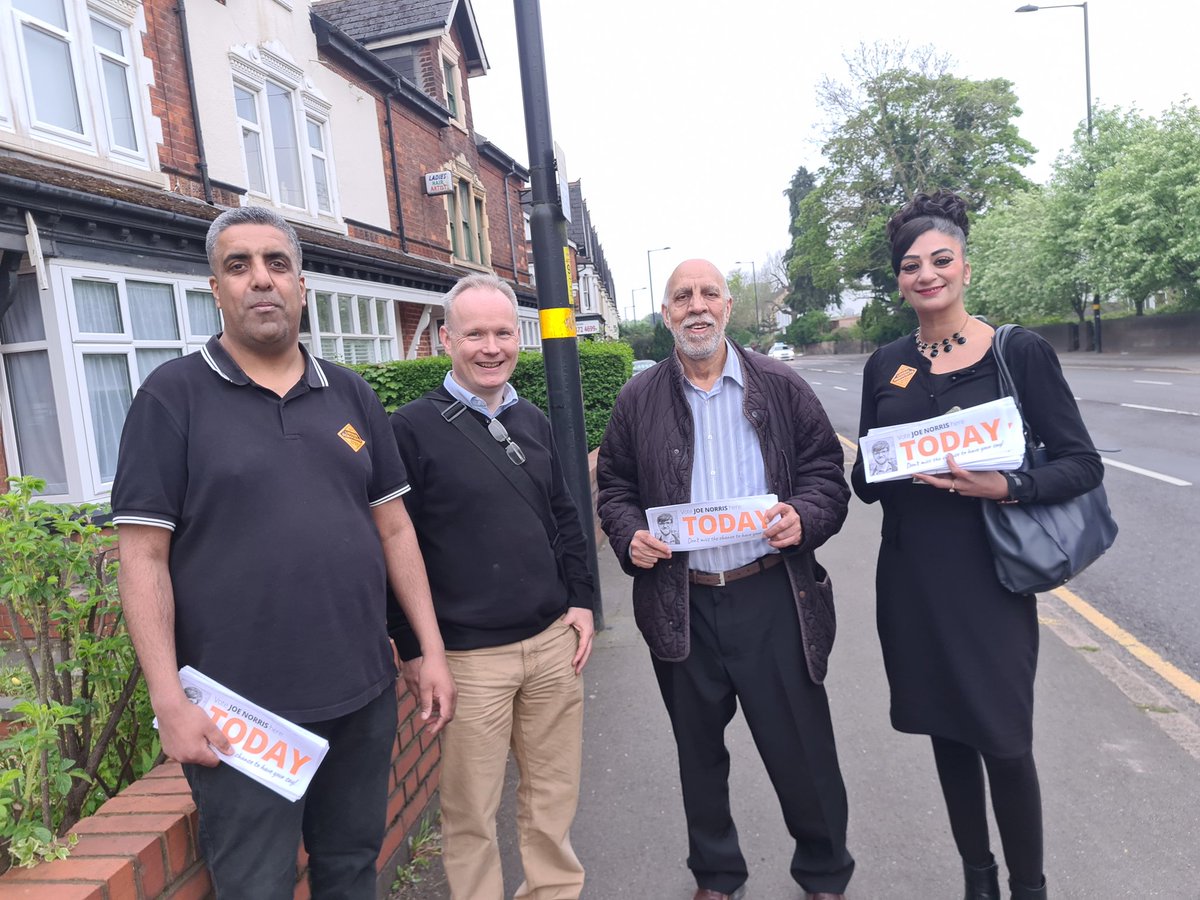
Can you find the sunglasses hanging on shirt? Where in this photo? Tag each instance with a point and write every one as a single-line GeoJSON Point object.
{"type": "Point", "coordinates": [511, 448]}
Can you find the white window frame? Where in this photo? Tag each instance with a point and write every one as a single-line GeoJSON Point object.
{"type": "Point", "coordinates": [453, 82]}
{"type": "Point", "coordinates": [531, 332]}
{"type": "Point", "coordinates": [253, 68]}
{"type": "Point", "coordinates": [330, 344]}
{"type": "Point", "coordinates": [95, 138]}
{"type": "Point", "coordinates": [121, 343]}
{"type": "Point", "coordinates": [476, 252]}
{"type": "Point", "coordinates": [46, 345]}
{"type": "Point", "coordinates": [320, 155]}
{"type": "Point", "coordinates": [67, 345]}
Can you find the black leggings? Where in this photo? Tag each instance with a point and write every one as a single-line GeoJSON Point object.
{"type": "Point", "coordinates": [1016, 802]}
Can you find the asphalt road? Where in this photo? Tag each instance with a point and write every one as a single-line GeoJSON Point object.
{"type": "Point", "coordinates": [1144, 416]}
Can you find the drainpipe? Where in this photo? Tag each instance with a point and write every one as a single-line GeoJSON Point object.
{"type": "Point", "coordinates": [512, 241]}
{"type": "Point", "coordinates": [387, 99]}
{"type": "Point", "coordinates": [201, 158]}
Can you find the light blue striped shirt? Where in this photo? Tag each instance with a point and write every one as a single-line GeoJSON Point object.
{"type": "Point", "coordinates": [728, 460]}
{"type": "Point", "coordinates": [458, 392]}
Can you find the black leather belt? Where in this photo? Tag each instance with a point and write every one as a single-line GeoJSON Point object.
{"type": "Point", "coordinates": [720, 579]}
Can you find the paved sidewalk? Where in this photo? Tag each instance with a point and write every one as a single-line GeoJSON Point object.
{"type": "Point", "coordinates": [1122, 798]}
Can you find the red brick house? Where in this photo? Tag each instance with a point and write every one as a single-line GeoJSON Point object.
{"type": "Point", "coordinates": [125, 127]}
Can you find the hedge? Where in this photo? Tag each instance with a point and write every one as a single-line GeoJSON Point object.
{"type": "Point", "coordinates": [603, 369]}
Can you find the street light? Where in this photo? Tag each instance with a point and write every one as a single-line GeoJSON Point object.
{"type": "Point", "coordinates": [1087, 55]}
{"type": "Point", "coordinates": [754, 275]}
{"type": "Point", "coordinates": [1087, 78]}
{"type": "Point", "coordinates": [650, 272]}
{"type": "Point", "coordinates": [633, 304]}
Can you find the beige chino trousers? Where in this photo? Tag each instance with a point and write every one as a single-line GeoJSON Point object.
{"type": "Point", "coordinates": [525, 697]}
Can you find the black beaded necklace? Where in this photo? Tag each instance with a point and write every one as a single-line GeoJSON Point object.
{"type": "Point", "coordinates": [946, 343]}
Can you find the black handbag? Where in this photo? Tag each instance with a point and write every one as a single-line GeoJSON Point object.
{"type": "Point", "coordinates": [1040, 546]}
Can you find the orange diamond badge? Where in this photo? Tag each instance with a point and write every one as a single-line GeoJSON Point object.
{"type": "Point", "coordinates": [903, 376]}
{"type": "Point", "coordinates": [351, 437]}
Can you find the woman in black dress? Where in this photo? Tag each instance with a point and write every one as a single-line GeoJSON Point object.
{"type": "Point", "coordinates": [961, 651]}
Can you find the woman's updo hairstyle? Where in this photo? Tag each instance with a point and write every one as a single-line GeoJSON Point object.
{"type": "Point", "coordinates": [944, 212]}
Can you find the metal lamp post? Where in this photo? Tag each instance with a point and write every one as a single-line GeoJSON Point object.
{"type": "Point", "coordinates": [1087, 78]}
{"type": "Point", "coordinates": [1087, 54]}
{"type": "Point", "coordinates": [757, 314]}
{"type": "Point", "coordinates": [633, 303]}
{"type": "Point", "coordinates": [650, 272]}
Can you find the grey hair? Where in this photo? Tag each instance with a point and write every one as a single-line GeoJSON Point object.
{"type": "Point", "coordinates": [251, 215]}
{"type": "Point", "coordinates": [479, 281]}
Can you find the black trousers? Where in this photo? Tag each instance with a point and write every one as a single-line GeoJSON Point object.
{"type": "Point", "coordinates": [746, 646]}
{"type": "Point", "coordinates": [249, 835]}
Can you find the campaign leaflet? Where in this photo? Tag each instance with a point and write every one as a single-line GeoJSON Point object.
{"type": "Point", "coordinates": [271, 750]}
{"type": "Point", "coordinates": [984, 437]}
{"type": "Point", "coordinates": [713, 523]}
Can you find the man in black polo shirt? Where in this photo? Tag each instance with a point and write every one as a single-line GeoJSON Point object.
{"type": "Point", "coordinates": [516, 616]}
{"type": "Point", "coordinates": [258, 494]}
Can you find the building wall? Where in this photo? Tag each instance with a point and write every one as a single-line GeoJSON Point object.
{"type": "Point", "coordinates": [170, 100]}
{"type": "Point", "coordinates": [216, 30]}
{"type": "Point", "coordinates": [17, 137]}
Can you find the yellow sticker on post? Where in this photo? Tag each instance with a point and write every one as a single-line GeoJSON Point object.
{"type": "Point", "coordinates": [557, 322]}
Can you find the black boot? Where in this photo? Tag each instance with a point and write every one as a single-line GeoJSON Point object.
{"type": "Point", "coordinates": [983, 882]}
{"type": "Point", "coordinates": [1021, 892]}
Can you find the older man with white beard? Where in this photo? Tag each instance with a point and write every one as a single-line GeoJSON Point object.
{"type": "Point", "coordinates": [750, 622]}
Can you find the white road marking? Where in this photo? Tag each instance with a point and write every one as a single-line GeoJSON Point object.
{"type": "Point", "coordinates": [817, 383]}
{"type": "Point", "coordinates": [1169, 479]}
{"type": "Point", "coordinates": [838, 387]}
{"type": "Point", "coordinates": [1178, 412]}
{"type": "Point", "coordinates": [1139, 381]}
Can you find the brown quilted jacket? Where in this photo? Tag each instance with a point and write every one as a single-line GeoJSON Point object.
{"type": "Point", "coordinates": [645, 460]}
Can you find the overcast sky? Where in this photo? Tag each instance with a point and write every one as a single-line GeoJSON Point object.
{"type": "Point", "coordinates": [685, 119]}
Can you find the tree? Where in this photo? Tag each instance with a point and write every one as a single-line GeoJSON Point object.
{"type": "Point", "coordinates": [663, 344]}
{"type": "Point", "coordinates": [1143, 222]}
{"type": "Point", "coordinates": [1118, 218]}
{"type": "Point", "coordinates": [1025, 260]}
{"type": "Point", "coordinates": [774, 271]}
{"type": "Point", "coordinates": [812, 275]}
{"type": "Point", "coordinates": [639, 336]}
{"type": "Point", "coordinates": [901, 124]}
{"type": "Point", "coordinates": [808, 328]}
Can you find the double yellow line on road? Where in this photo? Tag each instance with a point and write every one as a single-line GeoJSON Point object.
{"type": "Point", "coordinates": [1172, 674]}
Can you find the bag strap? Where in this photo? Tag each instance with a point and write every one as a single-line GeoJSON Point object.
{"type": "Point", "coordinates": [455, 412]}
{"type": "Point", "coordinates": [1007, 385]}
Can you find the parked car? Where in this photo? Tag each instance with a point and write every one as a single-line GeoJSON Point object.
{"type": "Point", "coordinates": [781, 351]}
{"type": "Point", "coordinates": [641, 365]}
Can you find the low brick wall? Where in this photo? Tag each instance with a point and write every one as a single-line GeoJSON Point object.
{"type": "Point", "coordinates": [141, 844]}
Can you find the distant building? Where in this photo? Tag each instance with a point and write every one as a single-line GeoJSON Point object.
{"type": "Point", "coordinates": [597, 306]}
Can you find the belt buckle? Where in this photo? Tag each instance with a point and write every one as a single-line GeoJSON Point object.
{"type": "Point", "coordinates": [720, 580]}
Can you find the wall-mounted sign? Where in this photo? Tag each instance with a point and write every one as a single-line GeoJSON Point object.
{"type": "Point", "coordinates": [439, 183]}
{"type": "Point", "coordinates": [564, 189]}
{"type": "Point", "coordinates": [587, 326]}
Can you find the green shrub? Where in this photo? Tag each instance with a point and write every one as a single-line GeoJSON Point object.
{"type": "Point", "coordinates": [603, 370]}
{"type": "Point", "coordinates": [81, 725]}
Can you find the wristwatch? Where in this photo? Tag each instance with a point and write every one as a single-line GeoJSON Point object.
{"type": "Point", "coordinates": [1015, 482]}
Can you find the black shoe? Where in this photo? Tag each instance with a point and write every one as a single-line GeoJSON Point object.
{"type": "Point", "coordinates": [983, 882]}
{"type": "Point", "coordinates": [1021, 892]}
{"type": "Point", "coordinates": [710, 894]}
